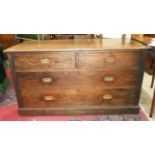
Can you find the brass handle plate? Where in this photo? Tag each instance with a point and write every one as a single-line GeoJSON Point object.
{"type": "Point", "coordinates": [44, 61]}
{"type": "Point", "coordinates": [48, 98]}
{"type": "Point", "coordinates": [109, 78]}
{"type": "Point", "coordinates": [47, 80]}
{"type": "Point", "coordinates": [110, 60]}
{"type": "Point", "coordinates": [107, 97]}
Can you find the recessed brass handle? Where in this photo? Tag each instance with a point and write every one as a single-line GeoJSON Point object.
{"type": "Point", "coordinates": [48, 98]}
{"type": "Point", "coordinates": [109, 78]}
{"type": "Point", "coordinates": [44, 61]}
{"type": "Point", "coordinates": [110, 60]}
{"type": "Point", "coordinates": [47, 80]}
{"type": "Point", "coordinates": [107, 97]}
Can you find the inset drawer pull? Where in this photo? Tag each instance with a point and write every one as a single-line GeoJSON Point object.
{"type": "Point", "coordinates": [48, 98]}
{"type": "Point", "coordinates": [47, 80]}
{"type": "Point", "coordinates": [107, 97]}
{"type": "Point", "coordinates": [110, 60]}
{"type": "Point", "coordinates": [44, 61]}
{"type": "Point", "coordinates": [109, 78]}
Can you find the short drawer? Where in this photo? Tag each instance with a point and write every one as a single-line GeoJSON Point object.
{"type": "Point", "coordinates": [110, 60]}
{"type": "Point", "coordinates": [77, 96]}
{"type": "Point", "coordinates": [104, 78]}
{"type": "Point", "coordinates": [44, 62]}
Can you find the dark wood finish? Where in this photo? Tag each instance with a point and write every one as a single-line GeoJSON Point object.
{"type": "Point", "coordinates": [150, 35]}
{"type": "Point", "coordinates": [77, 96]}
{"type": "Point", "coordinates": [7, 40]}
{"type": "Point", "coordinates": [44, 62]}
{"type": "Point", "coordinates": [68, 79]}
{"type": "Point", "coordinates": [14, 76]}
{"type": "Point", "coordinates": [80, 111]}
{"type": "Point", "coordinates": [110, 60]}
{"type": "Point", "coordinates": [78, 77]}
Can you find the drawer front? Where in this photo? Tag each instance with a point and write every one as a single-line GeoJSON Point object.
{"type": "Point", "coordinates": [44, 62]}
{"type": "Point", "coordinates": [110, 60]}
{"type": "Point", "coordinates": [77, 96]}
{"type": "Point", "coordinates": [71, 79]}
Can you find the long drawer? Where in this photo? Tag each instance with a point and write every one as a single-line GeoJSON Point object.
{"type": "Point", "coordinates": [104, 78]}
{"type": "Point", "coordinates": [44, 62]}
{"type": "Point", "coordinates": [77, 96]}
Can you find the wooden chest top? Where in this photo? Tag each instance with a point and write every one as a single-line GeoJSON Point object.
{"type": "Point", "coordinates": [77, 44]}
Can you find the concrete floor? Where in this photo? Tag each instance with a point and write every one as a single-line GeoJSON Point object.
{"type": "Point", "coordinates": [147, 94]}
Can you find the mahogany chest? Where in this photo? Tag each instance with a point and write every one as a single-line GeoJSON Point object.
{"type": "Point", "coordinates": [75, 77]}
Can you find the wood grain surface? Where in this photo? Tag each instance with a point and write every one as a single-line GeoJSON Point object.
{"type": "Point", "coordinates": [72, 77]}
{"type": "Point", "coordinates": [77, 44]}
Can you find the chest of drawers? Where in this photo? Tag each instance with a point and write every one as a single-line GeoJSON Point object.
{"type": "Point", "coordinates": [74, 77]}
